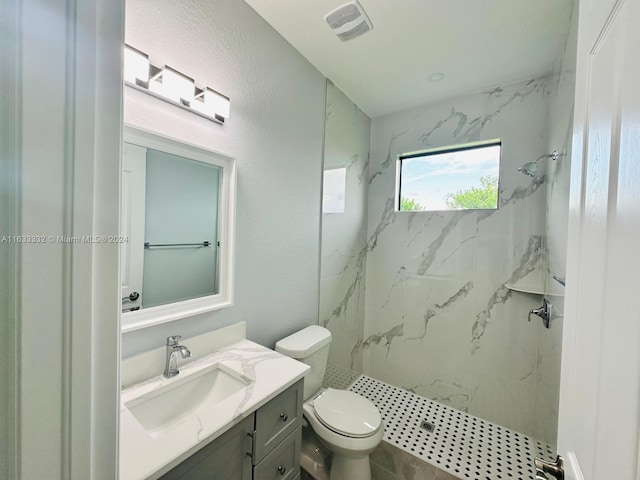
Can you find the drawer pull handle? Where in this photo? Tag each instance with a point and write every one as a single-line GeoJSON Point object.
{"type": "Point", "coordinates": [282, 470]}
{"type": "Point", "coordinates": [284, 417]}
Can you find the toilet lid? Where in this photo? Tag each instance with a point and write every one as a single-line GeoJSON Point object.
{"type": "Point", "coordinates": [347, 413]}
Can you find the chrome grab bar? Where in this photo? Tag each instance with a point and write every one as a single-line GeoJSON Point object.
{"type": "Point", "coordinates": [148, 245]}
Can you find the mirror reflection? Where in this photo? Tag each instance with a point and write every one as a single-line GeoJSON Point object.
{"type": "Point", "coordinates": [170, 210]}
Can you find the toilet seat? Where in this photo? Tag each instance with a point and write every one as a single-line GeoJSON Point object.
{"type": "Point", "coordinates": [347, 413]}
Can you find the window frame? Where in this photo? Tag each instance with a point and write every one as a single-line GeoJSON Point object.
{"type": "Point", "coordinates": [439, 151]}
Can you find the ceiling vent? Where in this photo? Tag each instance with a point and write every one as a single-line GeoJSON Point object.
{"type": "Point", "coordinates": [348, 21]}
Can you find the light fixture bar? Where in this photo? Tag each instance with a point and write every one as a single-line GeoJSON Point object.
{"type": "Point", "coordinates": [136, 65]}
{"type": "Point", "coordinates": [174, 87]}
{"type": "Point", "coordinates": [211, 103]}
{"type": "Point", "coordinates": [176, 104]}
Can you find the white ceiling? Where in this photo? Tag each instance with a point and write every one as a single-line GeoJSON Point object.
{"type": "Point", "coordinates": [477, 44]}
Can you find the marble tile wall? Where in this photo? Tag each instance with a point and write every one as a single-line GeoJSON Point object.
{"type": "Point", "coordinates": [343, 250]}
{"type": "Point", "coordinates": [435, 317]}
{"type": "Point", "coordinates": [439, 320]}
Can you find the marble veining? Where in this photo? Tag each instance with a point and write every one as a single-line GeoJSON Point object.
{"type": "Point", "coordinates": [529, 261]}
{"type": "Point", "coordinates": [356, 264]}
{"type": "Point", "coordinates": [362, 166]}
{"type": "Point", "coordinates": [421, 226]}
{"type": "Point", "coordinates": [467, 130]}
{"type": "Point", "coordinates": [352, 289]}
{"type": "Point", "coordinates": [344, 236]}
{"type": "Point", "coordinates": [377, 338]}
{"type": "Point", "coordinates": [388, 160]}
{"type": "Point", "coordinates": [144, 452]}
{"type": "Point", "coordinates": [398, 282]}
{"type": "Point", "coordinates": [364, 170]}
{"type": "Point", "coordinates": [247, 358]}
{"type": "Point", "coordinates": [453, 398]}
{"type": "Point", "coordinates": [432, 250]}
{"type": "Point", "coordinates": [436, 316]}
{"type": "Point", "coordinates": [432, 311]}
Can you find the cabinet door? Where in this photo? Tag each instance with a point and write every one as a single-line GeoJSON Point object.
{"type": "Point", "coordinates": [283, 463]}
{"type": "Point", "coordinates": [226, 458]}
{"type": "Point", "coordinates": [277, 419]}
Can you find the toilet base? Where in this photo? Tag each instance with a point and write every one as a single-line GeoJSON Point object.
{"type": "Point", "coordinates": [313, 469]}
{"type": "Point", "coordinates": [313, 455]}
{"type": "Point", "coordinates": [350, 467]}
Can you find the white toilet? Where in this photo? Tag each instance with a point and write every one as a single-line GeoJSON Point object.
{"type": "Point", "coordinates": [346, 423]}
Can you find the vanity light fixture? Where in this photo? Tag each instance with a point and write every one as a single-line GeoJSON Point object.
{"type": "Point", "coordinates": [136, 65]}
{"type": "Point", "coordinates": [172, 86]}
{"type": "Point", "coordinates": [211, 102]}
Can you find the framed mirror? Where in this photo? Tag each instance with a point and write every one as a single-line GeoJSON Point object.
{"type": "Point", "coordinates": [178, 225]}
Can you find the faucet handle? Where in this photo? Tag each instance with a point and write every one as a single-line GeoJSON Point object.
{"type": "Point", "coordinates": [173, 340]}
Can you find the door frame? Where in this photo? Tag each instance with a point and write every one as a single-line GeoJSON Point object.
{"type": "Point", "coordinates": [62, 153]}
{"type": "Point", "coordinates": [614, 324]}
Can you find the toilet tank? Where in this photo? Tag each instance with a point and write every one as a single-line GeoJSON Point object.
{"type": "Point", "coordinates": [311, 346]}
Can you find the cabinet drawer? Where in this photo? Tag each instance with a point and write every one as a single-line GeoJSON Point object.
{"type": "Point", "coordinates": [277, 419]}
{"type": "Point", "coordinates": [283, 463]}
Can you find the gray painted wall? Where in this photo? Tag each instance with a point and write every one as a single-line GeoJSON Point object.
{"type": "Point", "coordinates": [275, 133]}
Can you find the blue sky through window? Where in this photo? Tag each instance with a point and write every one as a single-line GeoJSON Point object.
{"type": "Point", "coordinates": [428, 179]}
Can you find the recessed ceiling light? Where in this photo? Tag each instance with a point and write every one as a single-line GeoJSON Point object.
{"type": "Point", "coordinates": [436, 77]}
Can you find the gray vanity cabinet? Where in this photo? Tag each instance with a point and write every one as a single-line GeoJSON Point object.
{"type": "Point", "coordinates": [278, 436]}
{"type": "Point", "coordinates": [263, 446]}
{"type": "Point", "coordinates": [276, 420]}
{"type": "Point", "coordinates": [223, 459]}
{"type": "Point", "coordinates": [283, 463]}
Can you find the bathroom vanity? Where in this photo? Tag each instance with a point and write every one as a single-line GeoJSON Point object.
{"type": "Point", "coordinates": [265, 445]}
{"type": "Point", "coordinates": [233, 412]}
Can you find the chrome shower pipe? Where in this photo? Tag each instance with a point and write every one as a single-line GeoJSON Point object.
{"type": "Point", "coordinates": [530, 169]}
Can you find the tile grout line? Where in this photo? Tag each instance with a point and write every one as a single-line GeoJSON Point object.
{"type": "Point", "coordinates": [460, 444]}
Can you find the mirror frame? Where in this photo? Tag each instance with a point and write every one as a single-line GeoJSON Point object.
{"type": "Point", "coordinates": [157, 315]}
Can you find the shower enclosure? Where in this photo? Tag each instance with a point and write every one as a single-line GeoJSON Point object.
{"type": "Point", "coordinates": [437, 303]}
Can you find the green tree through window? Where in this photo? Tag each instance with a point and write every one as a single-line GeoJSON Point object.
{"type": "Point", "coordinates": [458, 177]}
{"type": "Point", "coordinates": [485, 196]}
{"type": "Point", "coordinates": [409, 204]}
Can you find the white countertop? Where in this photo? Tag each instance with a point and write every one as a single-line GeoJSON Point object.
{"type": "Point", "coordinates": [147, 454]}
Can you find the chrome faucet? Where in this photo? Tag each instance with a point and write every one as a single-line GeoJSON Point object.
{"type": "Point", "coordinates": [173, 347]}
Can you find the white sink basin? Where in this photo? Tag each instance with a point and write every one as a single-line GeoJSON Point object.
{"type": "Point", "coordinates": [165, 405]}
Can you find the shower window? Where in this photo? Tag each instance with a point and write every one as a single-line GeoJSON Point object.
{"type": "Point", "coordinates": [460, 177]}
